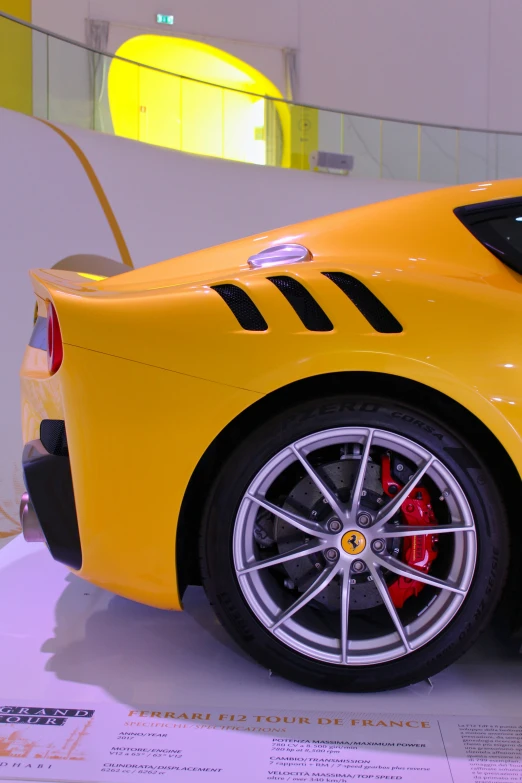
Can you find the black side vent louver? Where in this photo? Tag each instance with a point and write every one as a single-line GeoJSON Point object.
{"type": "Point", "coordinates": [242, 306]}
{"type": "Point", "coordinates": [310, 313]}
{"type": "Point", "coordinates": [367, 303]}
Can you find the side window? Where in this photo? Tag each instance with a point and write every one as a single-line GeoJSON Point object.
{"type": "Point", "coordinates": [498, 226]}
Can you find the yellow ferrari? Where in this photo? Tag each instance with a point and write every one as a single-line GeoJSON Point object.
{"type": "Point", "coordinates": [322, 425]}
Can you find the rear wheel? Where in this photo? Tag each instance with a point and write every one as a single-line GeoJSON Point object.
{"type": "Point", "coordinates": [354, 544]}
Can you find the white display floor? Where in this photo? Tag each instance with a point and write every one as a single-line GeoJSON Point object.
{"type": "Point", "coordinates": [65, 643]}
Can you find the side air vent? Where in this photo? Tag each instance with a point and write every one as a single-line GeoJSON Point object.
{"type": "Point", "coordinates": [54, 437]}
{"type": "Point", "coordinates": [311, 314]}
{"type": "Point", "coordinates": [242, 306]}
{"type": "Point", "coordinates": [366, 302]}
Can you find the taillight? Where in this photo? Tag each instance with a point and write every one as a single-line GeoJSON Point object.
{"type": "Point", "coordinates": [54, 340]}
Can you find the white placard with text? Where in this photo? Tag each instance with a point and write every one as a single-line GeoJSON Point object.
{"type": "Point", "coordinates": [115, 742]}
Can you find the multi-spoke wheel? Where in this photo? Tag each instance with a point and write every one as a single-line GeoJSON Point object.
{"type": "Point", "coordinates": [345, 537]}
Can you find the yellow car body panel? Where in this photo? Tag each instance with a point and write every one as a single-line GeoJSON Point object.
{"type": "Point", "coordinates": [156, 365]}
{"type": "Point", "coordinates": [131, 462]}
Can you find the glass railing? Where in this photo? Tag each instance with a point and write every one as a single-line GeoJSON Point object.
{"type": "Point", "coordinates": [70, 83]}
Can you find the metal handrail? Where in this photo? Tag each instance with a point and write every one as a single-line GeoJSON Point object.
{"type": "Point", "coordinates": [70, 41]}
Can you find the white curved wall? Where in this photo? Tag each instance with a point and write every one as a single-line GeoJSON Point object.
{"type": "Point", "coordinates": [166, 204]}
{"type": "Point", "coordinates": [169, 203]}
{"type": "Point", "coordinates": [449, 61]}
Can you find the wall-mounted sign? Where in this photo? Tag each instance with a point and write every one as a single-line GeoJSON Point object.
{"type": "Point", "coordinates": [164, 19]}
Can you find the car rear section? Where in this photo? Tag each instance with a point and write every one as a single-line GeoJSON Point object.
{"type": "Point", "coordinates": [47, 508]}
{"type": "Point", "coordinates": [110, 442]}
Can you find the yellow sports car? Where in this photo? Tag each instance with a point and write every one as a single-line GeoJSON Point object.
{"type": "Point", "coordinates": [322, 425]}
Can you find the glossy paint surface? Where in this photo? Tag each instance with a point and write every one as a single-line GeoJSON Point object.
{"type": "Point", "coordinates": [156, 365]}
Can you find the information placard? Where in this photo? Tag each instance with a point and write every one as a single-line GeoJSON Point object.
{"type": "Point", "coordinates": [114, 742]}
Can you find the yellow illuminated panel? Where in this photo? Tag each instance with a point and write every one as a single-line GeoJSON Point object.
{"type": "Point", "coordinates": [16, 53]}
{"type": "Point", "coordinates": [170, 111]}
{"type": "Point", "coordinates": [305, 135]}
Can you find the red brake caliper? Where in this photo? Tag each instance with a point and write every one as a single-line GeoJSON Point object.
{"type": "Point", "coordinates": [418, 551]}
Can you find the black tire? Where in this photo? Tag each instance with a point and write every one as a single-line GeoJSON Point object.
{"type": "Point", "coordinates": [221, 583]}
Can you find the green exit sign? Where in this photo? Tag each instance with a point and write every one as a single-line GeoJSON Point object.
{"type": "Point", "coordinates": [164, 19]}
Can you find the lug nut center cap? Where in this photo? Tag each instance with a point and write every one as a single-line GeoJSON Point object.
{"type": "Point", "coordinates": [353, 542]}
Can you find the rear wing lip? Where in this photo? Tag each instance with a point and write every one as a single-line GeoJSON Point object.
{"type": "Point", "coordinates": [45, 282]}
{"type": "Point", "coordinates": [92, 264]}
{"type": "Point", "coordinates": [78, 273]}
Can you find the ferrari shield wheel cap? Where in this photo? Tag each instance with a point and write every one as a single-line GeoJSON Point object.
{"type": "Point", "coordinates": [353, 542]}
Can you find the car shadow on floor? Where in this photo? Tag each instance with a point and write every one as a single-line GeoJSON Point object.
{"type": "Point", "coordinates": [135, 651]}
{"type": "Point", "coordinates": [140, 654]}
{"type": "Point", "coordinates": [84, 636]}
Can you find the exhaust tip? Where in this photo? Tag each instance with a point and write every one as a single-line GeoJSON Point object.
{"type": "Point", "coordinates": [31, 528]}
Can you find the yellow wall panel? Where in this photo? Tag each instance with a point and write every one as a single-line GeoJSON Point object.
{"type": "Point", "coordinates": [16, 67]}
{"type": "Point", "coordinates": [305, 135]}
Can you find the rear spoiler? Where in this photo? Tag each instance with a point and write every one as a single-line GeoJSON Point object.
{"type": "Point", "coordinates": [75, 274]}
{"type": "Point", "coordinates": [93, 265]}
{"type": "Point", "coordinates": [78, 273]}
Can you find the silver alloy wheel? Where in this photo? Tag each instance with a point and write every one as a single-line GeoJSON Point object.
{"type": "Point", "coordinates": [375, 534]}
